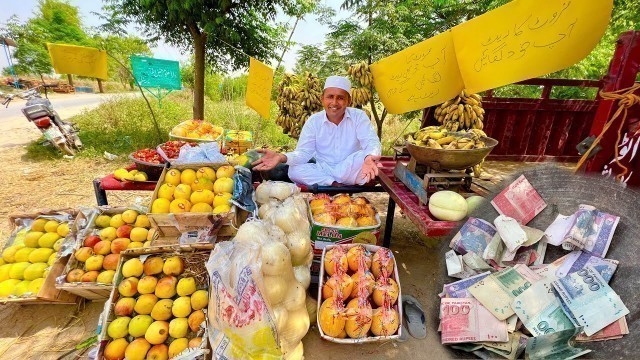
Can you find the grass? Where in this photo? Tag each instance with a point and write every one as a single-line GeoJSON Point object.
{"type": "Point", "coordinates": [123, 124]}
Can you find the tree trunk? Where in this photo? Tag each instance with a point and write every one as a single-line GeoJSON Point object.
{"type": "Point", "coordinates": [100, 86]}
{"type": "Point", "coordinates": [70, 78]}
{"type": "Point", "coordinates": [198, 88]}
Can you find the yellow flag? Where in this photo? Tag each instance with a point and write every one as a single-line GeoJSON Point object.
{"type": "Point", "coordinates": [259, 86]}
{"type": "Point", "coordinates": [528, 38]}
{"type": "Point", "coordinates": [78, 60]}
{"type": "Point", "coordinates": [419, 76]}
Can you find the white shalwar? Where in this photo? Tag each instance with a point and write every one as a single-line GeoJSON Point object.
{"type": "Point", "coordinates": [339, 150]}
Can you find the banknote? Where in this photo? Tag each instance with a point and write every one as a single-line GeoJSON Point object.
{"type": "Point", "coordinates": [466, 320]}
{"type": "Point", "coordinates": [476, 263]}
{"type": "Point", "coordinates": [592, 230]}
{"type": "Point", "coordinates": [554, 346]}
{"type": "Point", "coordinates": [613, 331]}
{"type": "Point", "coordinates": [549, 270]}
{"type": "Point", "coordinates": [578, 260]}
{"type": "Point", "coordinates": [510, 231]}
{"type": "Point", "coordinates": [497, 291]}
{"type": "Point", "coordinates": [511, 349]}
{"type": "Point", "coordinates": [494, 249]}
{"type": "Point", "coordinates": [456, 267]}
{"type": "Point", "coordinates": [590, 299]}
{"type": "Point", "coordinates": [460, 289]}
{"type": "Point", "coordinates": [519, 200]}
{"type": "Point", "coordinates": [559, 228]}
{"type": "Point", "coordinates": [540, 310]}
{"type": "Point", "coordinates": [512, 323]}
{"type": "Point", "coordinates": [474, 236]}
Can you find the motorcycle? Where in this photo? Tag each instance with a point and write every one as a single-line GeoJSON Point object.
{"type": "Point", "coordinates": [39, 111]}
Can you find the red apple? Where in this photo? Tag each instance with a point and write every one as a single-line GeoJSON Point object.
{"type": "Point", "coordinates": [119, 245]}
{"type": "Point", "coordinates": [124, 231]}
{"type": "Point", "coordinates": [91, 240]}
{"type": "Point", "coordinates": [110, 261]}
{"type": "Point", "coordinates": [103, 247]}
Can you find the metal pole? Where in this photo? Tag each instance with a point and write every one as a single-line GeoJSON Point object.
{"type": "Point", "coordinates": [7, 53]}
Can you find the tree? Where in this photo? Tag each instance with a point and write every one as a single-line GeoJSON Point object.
{"type": "Point", "coordinates": [122, 48]}
{"type": "Point", "coordinates": [218, 32]}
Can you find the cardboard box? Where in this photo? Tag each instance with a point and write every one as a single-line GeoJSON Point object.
{"type": "Point", "coordinates": [397, 306]}
{"type": "Point", "coordinates": [202, 251]}
{"type": "Point", "coordinates": [48, 293]}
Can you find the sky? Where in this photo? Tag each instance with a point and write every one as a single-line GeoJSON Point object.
{"type": "Point", "coordinates": [308, 31]}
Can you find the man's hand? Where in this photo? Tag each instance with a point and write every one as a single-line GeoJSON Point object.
{"type": "Point", "coordinates": [369, 168]}
{"type": "Point", "coordinates": [269, 160]}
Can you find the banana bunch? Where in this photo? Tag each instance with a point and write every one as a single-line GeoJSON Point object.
{"type": "Point", "coordinates": [298, 98]}
{"type": "Point", "coordinates": [360, 96]}
{"type": "Point", "coordinates": [463, 112]}
{"type": "Point", "coordinates": [441, 138]}
{"type": "Point", "coordinates": [362, 79]}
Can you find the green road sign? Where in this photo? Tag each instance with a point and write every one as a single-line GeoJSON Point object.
{"type": "Point", "coordinates": [156, 73]}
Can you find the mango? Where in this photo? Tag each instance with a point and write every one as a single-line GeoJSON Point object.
{"type": "Point", "coordinates": [35, 271]}
{"type": "Point", "coordinates": [177, 346]}
{"type": "Point", "coordinates": [17, 270]}
{"type": "Point", "coordinates": [51, 226]}
{"type": "Point", "coordinates": [118, 328]}
{"type": "Point", "coordinates": [58, 244]}
{"type": "Point", "coordinates": [115, 349]}
{"type": "Point", "coordinates": [124, 306]}
{"type": "Point", "coordinates": [40, 255]}
{"type": "Point", "coordinates": [173, 266]}
{"type": "Point", "coordinates": [187, 176]}
{"type": "Point", "coordinates": [178, 327]}
{"type": "Point", "coordinates": [158, 352]}
{"type": "Point", "coordinates": [9, 253]}
{"type": "Point", "coordinates": [21, 288]}
{"type": "Point", "coordinates": [4, 272]}
{"type": "Point", "coordinates": [35, 285]}
{"type": "Point", "coordinates": [38, 225]}
{"type": "Point", "coordinates": [2, 262]}
{"type": "Point", "coordinates": [183, 191]}
{"type": "Point", "coordinates": [116, 221]}
{"type": "Point", "coordinates": [22, 255]}
{"type": "Point", "coordinates": [186, 286]}
{"type": "Point", "coordinates": [52, 259]}
{"type": "Point", "coordinates": [31, 239]}
{"type": "Point", "coordinates": [135, 244]}
{"type": "Point", "coordinates": [142, 221]}
{"type": "Point", "coordinates": [128, 287]}
{"type": "Point", "coordinates": [172, 177]}
{"type": "Point", "coordinates": [157, 332]}
{"type": "Point", "coordinates": [181, 307]}
{"type": "Point", "coordinates": [94, 263]}
{"type": "Point", "coordinates": [129, 216]}
{"type": "Point", "coordinates": [108, 233]}
{"type": "Point", "coordinates": [7, 287]}
{"type": "Point", "coordinates": [90, 276]}
{"type": "Point", "coordinates": [103, 221]}
{"type": "Point", "coordinates": [160, 206]}
{"type": "Point", "coordinates": [138, 234]}
{"type": "Point", "coordinates": [153, 265]}
{"type": "Point", "coordinates": [75, 275]}
{"type": "Point", "coordinates": [195, 342]}
{"type": "Point", "coordinates": [132, 267]}
{"type": "Point", "coordinates": [47, 240]}
{"type": "Point", "coordinates": [106, 277]}
{"type": "Point", "coordinates": [137, 349]}
{"type": "Point", "coordinates": [162, 310]}
{"type": "Point", "coordinates": [195, 319]}
{"type": "Point", "coordinates": [199, 300]}
{"type": "Point", "coordinates": [138, 325]}
{"type": "Point", "coordinates": [145, 303]}
{"type": "Point", "coordinates": [147, 285]}
{"type": "Point", "coordinates": [166, 287]}
{"type": "Point", "coordinates": [63, 230]}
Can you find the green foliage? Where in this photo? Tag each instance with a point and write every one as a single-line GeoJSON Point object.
{"type": "Point", "coordinates": [122, 48]}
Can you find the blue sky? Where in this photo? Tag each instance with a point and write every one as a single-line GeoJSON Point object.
{"type": "Point", "coordinates": [309, 31]}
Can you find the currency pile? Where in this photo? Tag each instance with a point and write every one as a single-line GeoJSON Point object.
{"type": "Point", "coordinates": [298, 98]}
{"type": "Point", "coordinates": [438, 137]}
{"type": "Point", "coordinates": [463, 112]}
{"type": "Point", "coordinates": [508, 301]}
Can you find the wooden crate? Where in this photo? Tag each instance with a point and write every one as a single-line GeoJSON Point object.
{"type": "Point", "coordinates": [164, 251]}
{"type": "Point", "coordinates": [171, 226]}
{"type": "Point", "coordinates": [48, 293]}
{"type": "Point", "coordinates": [89, 291]}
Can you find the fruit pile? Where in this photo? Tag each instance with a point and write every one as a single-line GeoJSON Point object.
{"type": "Point", "coordinates": [25, 264]}
{"type": "Point", "coordinates": [204, 190]}
{"type": "Point", "coordinates": [440, 138]}
{"type": "Point", "coordinates": [172, 148]}
{"type": "Point", "coordinates": [97, 259]}
{"type": "Point", "coordinates": [148, 155]}
{"type": "Point", "coordinates": [298, 98]}
{"type": "Point", "coordinates": [463, 112]}
{"type": "Point", "coordinates": [159, 311]}
{"type": "Point", "coordinates": [366, 281]}
{"type": "Point", "coordinates": [123, 174]}
{"type": "Point", "coordinates": [197, 129]}
{"type": "Point", "coordinates": [342, 211]}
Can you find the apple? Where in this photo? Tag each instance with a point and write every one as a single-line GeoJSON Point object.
{"type": "Point", "coordinates": [83, 253]}
{"type": "Point", "coordinates": [103, 247]}
{"type": "Point", "coordinates": [75, 275]}
{"type": "Point", "coordinates": [110, 261]}
{"type": "Point", "coordinates": [124, 231]}
{"type": "Point", "coordinates": [119, 245]}
{"type": "Point", "coordinates": [90, 276]}
{"type": "Point", "coordinates": [91, 240]}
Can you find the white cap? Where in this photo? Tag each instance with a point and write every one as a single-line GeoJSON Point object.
{"type": "Point", "coordinates": [339, 82]}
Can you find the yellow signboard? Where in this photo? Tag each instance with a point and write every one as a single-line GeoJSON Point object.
{"type": "Point", "coordinates": [259, 86]}
{"type": "Point", "coordinates": [528, 38]}
{"type": "Point", "coordinates": [518, 41]}
{"type": "Point", "coordinates": [425, 73]}
{"type": "Point", "coordinates": [78, 60]}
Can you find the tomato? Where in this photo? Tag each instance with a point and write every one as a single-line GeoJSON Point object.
{"type": "Point", "coordinates": [148, 155]}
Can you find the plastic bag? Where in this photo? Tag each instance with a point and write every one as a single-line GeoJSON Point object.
{"type": "Point", "coordinates": [243, 189]}
{"type": "Point", "coordinates": [275, 189]}
{"type": "Point", "coordinates": [208, 152]}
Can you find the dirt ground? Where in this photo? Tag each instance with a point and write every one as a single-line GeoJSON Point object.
{"type": "Point", "coordinates": [52, 331]}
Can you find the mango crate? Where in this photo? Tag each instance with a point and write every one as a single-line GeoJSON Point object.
{"type": "Point", "coordinates": [170, 226]}
{"type": "Point", "coordinates": [48, 293]}
{"type": "Point", "coordinates": [90, 290]}
{"type": "Point", "coordinates": [194, 258]}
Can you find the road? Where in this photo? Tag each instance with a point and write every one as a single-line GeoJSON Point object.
{"type": "Point", "coordinates": [17, 131]}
